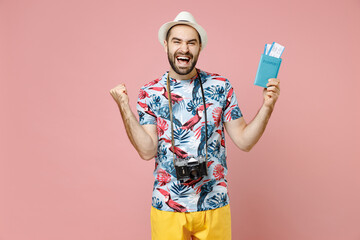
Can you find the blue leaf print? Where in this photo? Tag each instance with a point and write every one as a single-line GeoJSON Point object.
{"type": "Point", "coordinates": [157, 203]}
{"type": "Point", "coordinates": [179, 189]}
{"type": "Point", "coordinates": [201, 148]}
{"type": "Point", "coordinates": [203, 76]}
{"type": "Point", "coordinates": [222, 159]}
{"type": "Point", "coordinates": [235, 113]}
{"type": "Point", "coordinates": [164, 112]}
{"type": "Point", "coordinates": [193, 105]}
{"type": "Point", "coordinates": [196, 88]}
{"type": "Point", "coordinates": [210, 129]}
{"type": "Point", "coordinates": [181, 135]}
{"type": "Point", "coordinates": [156, 182]}
{"type": "Point", "coordinates": [155, 102]}
{"type": "Point", "coordinates": [227, 86]}
{"type": "Point", "coordinates": [214, 148]}
{"type": "Point", "coordinates": [175, 84]}
{"type": "Point", "coordinates": [141, 116]}
{"type": "Point", "coordinates": [162, 151]}
{"type": "Point", "coordinates": [200, 208]}
{"type": "Point", "coordinates": [169, 167]}
{"type": "Point", "coordinates": [218, 200]}
{"type": "Point", "coordinates": [215, 92]}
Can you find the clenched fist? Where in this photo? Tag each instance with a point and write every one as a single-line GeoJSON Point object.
{"type": "Point", "coordinates": [119, 93]}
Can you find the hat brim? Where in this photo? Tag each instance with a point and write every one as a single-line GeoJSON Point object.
{"type": "Point", "coordinates": [165, 28]}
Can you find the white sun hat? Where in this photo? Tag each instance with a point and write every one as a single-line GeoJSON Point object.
{"type": "Point", "coordinates": [187, 19]}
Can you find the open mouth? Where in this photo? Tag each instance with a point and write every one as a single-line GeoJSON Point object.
{"type": "Point", "coordinates": [183, 60]}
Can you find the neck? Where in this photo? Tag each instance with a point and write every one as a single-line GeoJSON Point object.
{"type": "Point", "coordinates": [173, 74]}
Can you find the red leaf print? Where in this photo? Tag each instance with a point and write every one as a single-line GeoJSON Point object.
{"type": "Point", "coordinates": [163, 177]}
{"type": "Point", "coordinates": [162, 126]}
{"type": "Point", "coordinates": [198, 132]}
{"type": "Point", "coordinates": [217, 116]}
{"type": "Point", "coordinates": [228, 114]}
{"type": "Point", "coordinates": [143, 94]}
{"type": "Point", "coordinates": [152, 83]}
{"type": "Point", "coordinates": [218, 172]}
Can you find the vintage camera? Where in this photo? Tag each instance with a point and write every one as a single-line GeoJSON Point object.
{"type": "Point", "coordinates": [190, 168]}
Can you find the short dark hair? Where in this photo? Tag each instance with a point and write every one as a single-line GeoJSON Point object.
{"type": "Point", "coordinates": [168, 33]}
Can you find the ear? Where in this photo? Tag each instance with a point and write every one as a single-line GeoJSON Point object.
{"type": "Point", "coordinates": [165, 46]}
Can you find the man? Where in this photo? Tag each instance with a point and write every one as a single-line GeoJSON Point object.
{"type": "Point", "coordinates": [182, 119]}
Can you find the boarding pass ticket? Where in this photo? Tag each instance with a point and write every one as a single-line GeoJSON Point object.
{"type": "Point", "coordinates": [274, 50]}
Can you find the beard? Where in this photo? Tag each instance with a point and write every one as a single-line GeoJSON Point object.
{"type": "Point", "coordinates": [182, 70]}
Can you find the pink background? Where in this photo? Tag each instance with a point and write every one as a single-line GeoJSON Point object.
{"type": "Point", "coordinates": [68, 170]}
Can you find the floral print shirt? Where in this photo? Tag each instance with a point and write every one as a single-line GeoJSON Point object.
{"type": "Point", "coordinates": [208, 192]}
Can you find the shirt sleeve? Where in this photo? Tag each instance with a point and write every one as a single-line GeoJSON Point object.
{"type": "Point", "coordinates": [231, 108]}
{"type": "Point", "coordinates": [146, 115]}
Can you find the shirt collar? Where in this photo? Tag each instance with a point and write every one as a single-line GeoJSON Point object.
{"type": "Point", "coordinates": [187, 80]}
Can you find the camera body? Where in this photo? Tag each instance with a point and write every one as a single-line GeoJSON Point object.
{"type": "Point", "coordinates": [190, 168]}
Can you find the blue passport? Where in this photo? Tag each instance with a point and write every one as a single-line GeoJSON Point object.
{"type": "Point", "coordinates": [268, 68]}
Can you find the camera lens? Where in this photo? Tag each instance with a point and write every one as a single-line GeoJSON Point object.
{"type": "Point", "coordinates": [194, 174]}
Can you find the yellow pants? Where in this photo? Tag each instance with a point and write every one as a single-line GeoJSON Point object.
{"type": "Point", "coordinates": [205, 225]}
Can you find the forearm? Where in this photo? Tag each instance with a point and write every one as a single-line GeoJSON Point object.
{"type": "Point", "coordinates": [144, 144]}
{"type": "Point", "coordinates": [255, 129]}
{"type": "Point", "coordinates": [245, 136]}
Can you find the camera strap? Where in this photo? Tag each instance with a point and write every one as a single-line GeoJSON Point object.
{"type": "Point", "coordinates": [172, 121]}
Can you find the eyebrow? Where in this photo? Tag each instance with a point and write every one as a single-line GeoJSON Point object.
{"type": "Point", "coordinates": [191, 40]}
